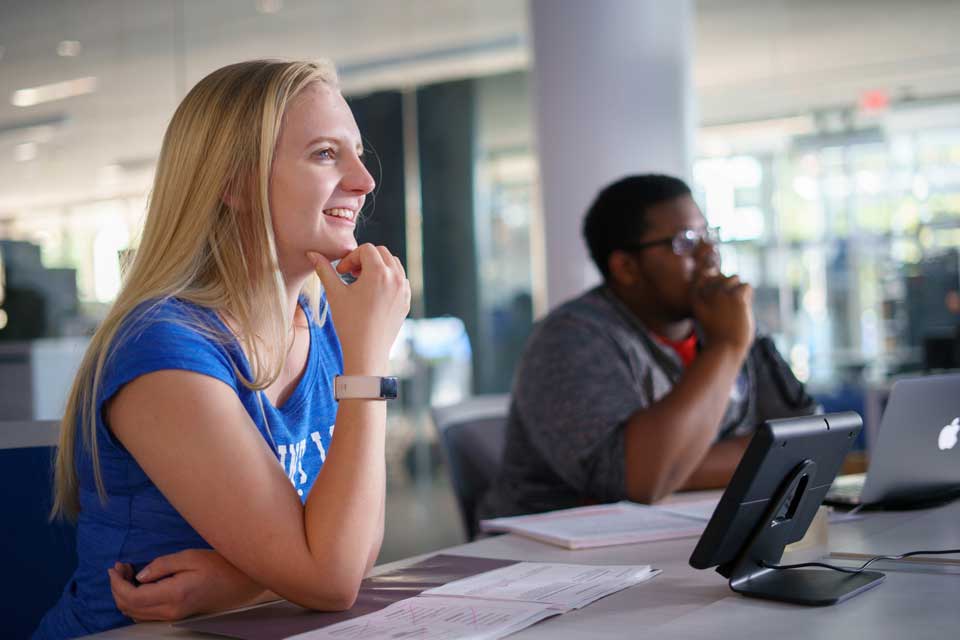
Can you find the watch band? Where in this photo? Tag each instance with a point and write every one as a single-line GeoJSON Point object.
{"type": "Point", "coordinates": [365, 387]}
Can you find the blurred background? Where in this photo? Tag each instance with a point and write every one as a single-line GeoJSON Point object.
{"type": "Point", "coordinates": [825, 144]}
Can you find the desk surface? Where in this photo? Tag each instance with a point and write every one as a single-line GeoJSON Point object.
{"type": "Point", "coordinates": [915, 601]}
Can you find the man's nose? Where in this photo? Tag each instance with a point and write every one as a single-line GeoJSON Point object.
{"type": "Point", "coordinates": [707, 252]}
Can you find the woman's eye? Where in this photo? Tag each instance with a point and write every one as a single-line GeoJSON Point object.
{"type": "Point", "coordinates": [323, 154]}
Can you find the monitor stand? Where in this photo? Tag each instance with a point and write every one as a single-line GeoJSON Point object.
{"type": "Point", "coordinates": [750, 576]}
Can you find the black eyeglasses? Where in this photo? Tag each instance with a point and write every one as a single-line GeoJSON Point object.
{"type": "Point", "coordinates": [683, 243]}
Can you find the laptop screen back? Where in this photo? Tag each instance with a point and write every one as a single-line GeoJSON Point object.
{"type": "Point", "coordinates": [917, 452]}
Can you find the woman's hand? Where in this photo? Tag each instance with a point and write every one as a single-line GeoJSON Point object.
{"type": "Point", "coordinates": [182, 584]}
{"type": "Point", "coordinates": [368, 313]}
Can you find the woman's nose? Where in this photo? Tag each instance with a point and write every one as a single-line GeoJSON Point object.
{"type": "Point", "coordinates": [358, 178]}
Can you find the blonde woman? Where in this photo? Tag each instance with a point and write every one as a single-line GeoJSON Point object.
{"type": "Point", "coordinates": [202, 449]}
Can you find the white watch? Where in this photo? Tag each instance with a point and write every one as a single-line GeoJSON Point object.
{"type": "Point", "coordinates": [365, 387]}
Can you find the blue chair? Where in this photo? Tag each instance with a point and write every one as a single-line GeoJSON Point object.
{"type": "Point", "coordinates": [38, 556]}
{"type": "Point", "coordinates": [472, 435]}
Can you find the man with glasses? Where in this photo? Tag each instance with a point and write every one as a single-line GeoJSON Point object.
{"type": "Point", "coordinates": [650, 383]}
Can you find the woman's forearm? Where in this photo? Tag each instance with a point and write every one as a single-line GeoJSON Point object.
{"type": "Point", "coordinates": [344, 511]}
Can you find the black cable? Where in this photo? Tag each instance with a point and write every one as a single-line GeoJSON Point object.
{"type": "Point", "coordinates": [864, 565]}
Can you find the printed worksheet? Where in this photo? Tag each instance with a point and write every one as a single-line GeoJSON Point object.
{"type": "Point", "coordinates": [561, 586]}
{"type": "Point", "coordinates": [437, 618]}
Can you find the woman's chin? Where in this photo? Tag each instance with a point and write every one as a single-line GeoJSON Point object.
{"type": "Point", "coordinates": [343, 252]}
{"type": "Point", "coordinates": [336, 253]}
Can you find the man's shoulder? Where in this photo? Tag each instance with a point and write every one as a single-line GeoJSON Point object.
{"type": "Point", "coordinates": [589, 310]}
{"type": "Point", "coordinates": [587, 326]}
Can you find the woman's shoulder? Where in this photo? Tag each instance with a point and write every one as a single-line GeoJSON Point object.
{"type": "Point", "coordinates": [166, 334]}
{"type": "Point", "coordinates": [170, 331]}
{"type": "Point", "coordinates": [164, 318]}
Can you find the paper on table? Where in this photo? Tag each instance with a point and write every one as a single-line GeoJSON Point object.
{"type": "Point", "coordinates": [600, 525]}
{"type": "Point", "coordinates": [437, 618]}
{"type": "Point", "coordinates": [562, 586]}
{"type": "Point", "coordinates": [704, 509]}
{"type": "Point", "coordinates": [281, 620]}
{"type": "Point", "coordinates": [699, 509]}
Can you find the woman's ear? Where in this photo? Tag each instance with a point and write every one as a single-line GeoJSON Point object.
{"type": "Point", "coordinates": [236, 194]}
{"type": "Point", "coordinates": [623, 268]}
{"type": "Point", "coordinates": [231, 197]}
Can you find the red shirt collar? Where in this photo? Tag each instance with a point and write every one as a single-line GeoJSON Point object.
{"type": "Point", "coordinates": [686, 348]}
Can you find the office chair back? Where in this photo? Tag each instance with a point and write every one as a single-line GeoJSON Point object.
{"type": "Point", "coordinates": [472, 435]}
{"type": "Point", "coordinates": [38, 557]}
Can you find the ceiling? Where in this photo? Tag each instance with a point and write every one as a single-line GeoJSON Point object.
{"type": "Point", "coordinates": [753, 59]}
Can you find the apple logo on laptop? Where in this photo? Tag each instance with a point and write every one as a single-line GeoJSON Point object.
{"type": "Point", "coordinates": [948, 435]}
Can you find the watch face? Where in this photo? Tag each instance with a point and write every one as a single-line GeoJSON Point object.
{"type": "Point", "coordinates": [389, 388]}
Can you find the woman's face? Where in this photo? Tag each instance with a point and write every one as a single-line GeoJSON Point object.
{"type": "Point", "coordinates": [318, 182]}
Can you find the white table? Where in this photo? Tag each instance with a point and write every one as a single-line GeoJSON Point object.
{"type": "Point", "coordinates": [917, 601]}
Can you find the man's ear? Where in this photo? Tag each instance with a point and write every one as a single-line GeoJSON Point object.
{"type": "Point", "coordinates": [623, 268]}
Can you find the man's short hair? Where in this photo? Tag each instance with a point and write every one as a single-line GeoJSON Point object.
{"type": "Point", "coordinates": [618, 215]}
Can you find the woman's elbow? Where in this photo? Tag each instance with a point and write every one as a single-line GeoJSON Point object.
{"type": "Point", "coordinates": [341, 600]}
{"type": "Point", "coordinates": [337, 594]}
{"type": "Point", "coordinates": [329, 600]}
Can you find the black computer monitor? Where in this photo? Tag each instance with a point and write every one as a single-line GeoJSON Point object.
{"type": "Point", "coordinates": [770, 501]}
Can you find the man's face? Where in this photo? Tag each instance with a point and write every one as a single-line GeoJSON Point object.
{"type": "Point", "coordinates": [667, 279]}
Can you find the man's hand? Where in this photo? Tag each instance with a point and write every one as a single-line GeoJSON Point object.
{"type": "Point", "coordinates": [667, 442]}
{"type": "Point", "coordinates": [721, 305]}
{"type": "Point", "coordinates": [182, 584]}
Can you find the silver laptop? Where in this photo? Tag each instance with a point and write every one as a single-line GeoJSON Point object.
{"type": "Point", "coordinates": [917, 454]}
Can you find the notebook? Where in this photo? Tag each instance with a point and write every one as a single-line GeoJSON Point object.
{"type": "Point", "coordinates": [607, 524]}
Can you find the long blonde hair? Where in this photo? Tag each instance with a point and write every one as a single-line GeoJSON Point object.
{"type": "Point", "coordinates": [197, 244]}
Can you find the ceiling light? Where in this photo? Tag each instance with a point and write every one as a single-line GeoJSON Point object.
{"type": "Point", "coordinates": [25, 151]}
{"type": "Point", "coordinates": [56, 91]}
{"type": "Point", "coordinates": [269, 6]}
{"type": "Point", "coordinates": [69, 48]}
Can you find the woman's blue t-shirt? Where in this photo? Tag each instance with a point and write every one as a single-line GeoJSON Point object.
{"type": "Point", "coordinates": [137, 524]}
